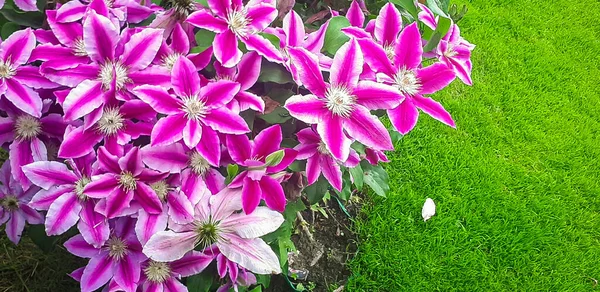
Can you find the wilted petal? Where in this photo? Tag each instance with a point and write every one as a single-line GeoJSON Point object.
{"type": "Point", "coordinates": [367, 129]}
{"type": "Point", "coordinates": [434, 109]}
{"type": "Point", "coordinates": [252, 254]}
{"type": "Point", "coordinates": [428, 209]}
{"type": "Point", "coordinates": [307, 65]}
{"type": "Point", "coordinates": [149, 224]}
{"type": "Point", "coordinates": [168, 246]}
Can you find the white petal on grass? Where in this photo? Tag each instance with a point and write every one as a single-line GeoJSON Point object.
{"type": "Point", "coordinates": [428, 209]}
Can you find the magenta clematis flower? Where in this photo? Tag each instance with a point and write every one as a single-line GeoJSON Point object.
{"type": "Point", "coordinates": [131, 11]}
{"type": "Point", "coordinates": [407, 76]}
{"type": "Point", "coordinates": [197, 173]}
{"type": "Point", "coordinates": [343, 105]}
{"type": "Point", "coordinates": [118, 259]}
{"type": "Point", "coordinates": [63, 197]}
{"type": "Point", "coordinates": [17, 80]}
{"type": "Point", "coordinates": [245, 74]}
{"type": "Point", "coordinates": [319, 160]}
{"type": "Point", "coordinates": [384, 29]}
{"type": "Point", "coordinates": [28, 136]}
{"type": "Point", "coordinates": [161, 276]}
{"type": "Point", "coordinates": [375, 156]}
{"type": "Point", "coordinates": [180, 46]}
{"type": "Point", "coordinates": [125, 179]}
{"type": "Point", "coordinates": [25, 5]}
{"type": "Point", "coordinates": [14, 208]}
{"type": "Point", "coordinates": [232, 22]}
{"type": "Point", "coordinates": [261, 180]}
{"type": "Point", "coordinates": [355, 14]}
{"type": "Point", "coordinates": [217, 222]}
{"type": "Point", "coordinates": [197, 114]}
{"type": "Point", "coordinates": [118, 64]}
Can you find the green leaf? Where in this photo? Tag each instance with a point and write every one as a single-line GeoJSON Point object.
{"type": "Point", "coordinates": [29, 19]}
{"type": "Point", "coordinates": [275, 158]}
{"type": "Point", "coordinates": [264, 280]}
{"type": "Point", "coordinates": [200, 282]}
{"type": "Point", "coordinates": [440, 31]}
{"type": "Point", "coordinates": [8, 29]}
{"type": "Point", "coordinates": [278, 116]}
{"type": "Point", "coordinates": [37, 233]}
{"type": "Point", "coordinates": [204, 39]}
{"type": "Point", "coordinates": [273, 39]}
{"type": "Point", "coordinates": [256, 289]}
{"type": "Point", "coordinates": [346, 188]}
{"type": "Point", "coordinates": [435, 8]}
{"type": "Point", "coordinates": [357, 175]}
{"type": "Point", "coordinates": [334, 37]}
{"type": "Point", "coordinates": [317, 190]}
{"type": "Point", "coordinates": [377, 178]}
{"type": "Point", "coordinates": [271, 72]}
{"type": "Point", "coordinates": [232, 171]}
{"type": "Point", "coordinates": [409, 6]}
{"type": "Point", "coordinates": [249, 116]}
{"type": "Point", "coordinates": [203, 3]}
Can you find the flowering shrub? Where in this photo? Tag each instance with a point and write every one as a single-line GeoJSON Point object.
{"type": "Point", "coordinates": [163, 138]}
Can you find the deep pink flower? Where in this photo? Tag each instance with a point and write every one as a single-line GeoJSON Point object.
{"type": "Point", "coordinates": [161, 276]}
{"type": "Point", "coordinates": [196, 114]}
{"type": "Point", "coordinates": [260, 180]}
{"type": "Point", "coordinates": [180, 46]}
{"type": "Point", "coordinates": [404, 72]}
{"type": "Point", "coordinates": [17, 80]}
{"type": "Point", "coordinates": [125, 179]}
{"type": "Point", "coordinates": [14, 208]}
{"type": "Point", "coordinates": [217, 222]}
{"type": "Point", "coordinates": [342, 106]}
{"type": "Point", "coordinates": [63, 197]}
{"type": "Point", "coordinates": [232, 22]}
{"type": "Point", "coordinates": [118, 259]}
{"type": "Point", "coordinates": [245, 74]}
{"type": "Point", "coordinates": [319, 160]}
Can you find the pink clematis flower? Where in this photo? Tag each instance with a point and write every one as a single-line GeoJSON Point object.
{"type": "Point", "coordinates": [63, 197]}
{"type": "Point", "coordinates": [125, 179]}
{"type": "Point", "coordinates": [17, 80]}
{"type": "Point", "coordinates": [384, 29]}
{"type": "Point", "coordinates": [232, 22]}
{"type": "Point", "coordinates": [217, 222]}
{"type": "Point", "coordinates": [245, 74]}
{"type": "Point", "coordinates": [409, 79]}
{"type": "Point", "coordinates": [180, 46]}
{"type": "Point", "coordinates": [118, 259]}
{"type": "Point", "coordinates": [118, 63]}
{"type": "Point", "coordinates": [261, 180]}
{"type": "Point", "coordinates": [197, 114]}
{"type": "Point", "coordinates": [319, 160]}
{"type": "Point", "coordinates": [14, 208]}
{"type": "Point", "coordinates": [343, 105]}
{"type": "Point", "coordinates": [161, 276]}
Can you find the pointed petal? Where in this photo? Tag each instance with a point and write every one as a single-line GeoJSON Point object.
{"type": "Point", "coordinates": [181, 210]}
{"type": "Point", "coordinates": [79, 247]}
{"type": "Point", "coordinates": [153, 75]}
{"type": "Point", "coordinates": [252, 254]}
{"type": "Point", "coordinates": [127, 273]}
{"type": "Point", "coordinates": [83, 99]}
{"type": "Point", "coordinates": [262, 221]}
{"type": "Point", "coordinates": [261, 15]}
{"type": "Point", "coordinates": [368, 129]}
{"type": "Point", "coordinates": [249, 70]}
{"type": "Point", "coordinates": [149, 224]}
{"type": "Point", "coordinates": [376, 57]}
{"type": "Point", "coordinates": [23, 97]}
{"type": "Point", "coordinates": [307, 108]}
{"type": "Point", "coordinates": [20, 154]}
{"type": "Point", "coordinates": [294, 29]}
{"type": "Point", "coordinates": [307, 65]}
{"type": "Point", "coordinates": [97, 272]}
{"type": "Point", "coordinates": [210, 146]}
{"type": "Point", "coordinates": [146, 197]}
{"type": "Point", "coordinates": [251, 195]}
{"type": "Point", "coordinates": [273, 193]}
{"type": "Point", "coordinates": [159, 99]}
{"type": "Point", "coordinates": [220, 7]}
{"type": "Point", "coordinates": [71, 77]}
{"type": "Point", "coordinates": [331, 171]}
{"type": "Point", "coordinates": [44, 198]}
{"type": "Point", "coordinates": [225, 48]}
{"type": "Point", "coordinates": [26, 5]}
{"type": "Point", "coordinates": [179, 40]}
{"type": "Point", "coordinates": [373, 95]}
{"type": "Point", "coordinates": [168, 130]}
{"type": "Point", "coordinates": [78, 143]}
{"type": "Point", "coordinates": [355, 15]}
{"type": "Point", "coordinates": [100, 37]}
{"type": "Point", "coordinates": [239, 147]}
{"type": "Point", "coordinates": [313, 169]}
{"type": "Point", "coordinates": [434, 109]}
{"type": "Point", "coordinates": [117, 201]}
{"type": "Point", "coordinates": [30, 76]}
{"type": "Point", "coordinates": [16, 49]}
{"type": "Point", "coordinates": [141, 49]}
{"type": "Point", "coordinates": [408, 51]}
{"type": "Point", "coordinates": [347, 65]}
{"type": "Point", "coordinates": [404, 117]}
{"type": "Point", "coordinates": [191, 264]}
{"type": "Point", "coordinates": [289, 156]}
{"type": "Point", "coordinates": [267, 141]}
{"type": "Point", "coordinates": [332, 134]}
{"type": "Point", "coordinates": [108, 161]}
{"type": "Point", "coordinates": [46, 174]}
{"type": "Point", "coordinates": [101, 186]}
{"type": "Point", "coordinates": [217, 94]}
{"type": "Point", "coordinates": [204, 19]}
{"type": "Point", "coordinates": [93, 226]}
{"type": "Point", "coordinates": [169, 158]}
{"type": "Point", "coordinates": [14, 227]}
{"type": "Point", "coordinates": [388, 24]}
{"type": "Point", "coordinates": [184, 77]}
{"type": "Point", "coordinates": [168, 246]}
{"type": "Point", "coordinates": [435, 77]}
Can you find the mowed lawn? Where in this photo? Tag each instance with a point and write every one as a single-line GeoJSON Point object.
{"type": "Point", "coordinates": [517, 184]}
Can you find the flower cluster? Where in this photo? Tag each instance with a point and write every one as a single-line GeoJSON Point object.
{"type": "Point", "coordinates": [125, 131]}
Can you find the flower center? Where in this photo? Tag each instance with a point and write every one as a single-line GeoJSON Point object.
{"type": "Point", "coordinates": [109, 3]}
{"type": "Point", "coordinates": [80, 185]}
{"type": "Point", "coordinates": [322, 148]}
{"type": "Point", "coordinates": [157, 272]}
{"type": "Point", "coordinates": [339, 101]}
{"type": "Point", "coordinates": [182, 8]}
{"type": "Point", "coordinates": [111, 121]}
{"type": "Point", "coordinates": [79, 48]}
{"type": "Point", "coordinates": [407, 82]}
{"type": "Point", "coordinates": [161, 188]}
{"type": "Point", "coordinates": [10, 203]}
{"type": "Point", "coordinates": [169, 60]}
{"type": "Point", "coordinates": [116, 248]}
{"type": "Point", "coordinates": [194, 108]}
{"type": "Point", "coordinates": [128, 181]}
{"type": "Point", "coordinates": [110, 72]}
{"type": "Point", "coordinates": [238, 22]}
{"type": "Point", "coordinates": [198, 163]}
{"type": "Point", "coordinates": [27, 127]}
{"type": "Point", "coordinates": [207, 233]}
{"type": "Point", "coordinates": [390, 52]}
{"type": "Point", "coordinates": [450, 52]}
{"type": "Point", "coordinates": [6, 70]}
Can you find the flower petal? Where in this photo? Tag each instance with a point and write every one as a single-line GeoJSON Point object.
{"type": "Point", "coordinates": [404, 117]}
{"type": "Point", "coordinates": [331, 171]}
{"type": "Point", "coordinates": [168, 158]}
{"type": "Point", "coordinates": [158, 98]}
{"type": "Point", "coordinates": [251, 195]}
{"type": "Point", "coordinates": [307, 65]}
{"type": "Point", "coordinates": [376, 57]}
{"type": "Point", "coordinates": [100, 37]}
{"type": "Point", "coordinates": [225, 48]}
{"type": "Point", "coordinates": [101, 186]}
{"type": "Point", "coordinates": [79, 247]}
{"type": "Point", "coordinates": [261, 15]}
{"type": "Point", "coordinates": [23, 97]}
{"type": "Point", "coordinates": [252, 254]}
{"type": "Point", "coordinates": [355, 15]}
{"type": "Point", "coordinates": [273, 193]}
{"type": "Point", "coordinates": [435, 77]}
{"type": "Point", "coordinates": [16, 49]}
{"type": "Point", "coordinates": [141, 49]}
{"type": "Point", "coordinates": [220, 7]}
{"type": "Point", "coordinates": [97, 272]}
{"type": "Point", "coordinates": [347, 65]}
{"type": "Point", "coordinates": [248, 70]}
{"type": "Point", "coordinates": [408, 51]}
{"type": "Point", "coordinates": [332, 134]}
{"type": "Point", "coordinates": [83, 99]}
{"type": "Point", "coordinates": [307, 108]}
{"type": "Point", "coordinates": [127, 273]}
{"type": "Point", "coordinates": [267, 142]}
{"type": "Point", "coordinates": [204, 19]}
{"type": "Point", "coordinates": [434, 109]}
{"type": "Point", "coordinates": [388, 24]}
{"type": "Point", "coordinates": [191, 264]}
{"type": "Point", "coordinates": [313, 169]}
{"type": "Point", "coordinates": [262, 221]}
{"type": "Point", "coordinates": [180, 210]}
{"type": "Point", "coordinates": [373, 95]}
{"type": "Point", "coordinates": [368, 129]}
{"type": "Point", "coordinates": [14, 227]}
{"type": "Point", "coordinates": [46, 174]}
{"type": "Point", "coordinates": [168, 130]}
{"type": "Point", "coordinates": [149, 224]}
{"type": "Point", "coordinates": [239, 147]}
{"type": "Point", "coordinates": [93, 226]}
{"type": "Point", "coordinates": [44, 198]}
{"type": "Point", "coordinates": [210, 146]}
{"type": "Point", "coordinates": [184, 77]}
{"type": "Point", "coordinates": [294, 29]}
{"type": "Point", "coordinates": [166, 246]}
{"type": "Point", "coordinates": [146, 197]}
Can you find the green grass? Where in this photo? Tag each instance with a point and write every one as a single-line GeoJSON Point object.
{"type": "Point", "coordinates": [517, 184]}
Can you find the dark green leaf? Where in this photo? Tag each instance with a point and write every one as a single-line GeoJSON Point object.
{"type": "Point", "coordinates": [334, 37]}
{"type": "Point", "coordinates": [278, 116]}
{"type": "Point", "coordinates": [280, 94]}
{"type": "Point", "coordinates": [271, 72]}
{"type": "Point", "coordinates": [200, 282]}
{"type": "Point", "coordinates": [408, 5]}
{"type": "Point", "coordinates": [8, 28]}
{"type": "Point", "coordinates": [377, 178]}
{"type": "Point", "coordinates": [37, 233]}
{"type": "Point", "coordinates": [317, 190]}
{"type": "Point", "coordinates": [357, 175]}
{"type": "Point", "coordinates": [256, 289]}
{"type": "Point", "coordinates": [440, 31]}
{"type": "Point", "coordinates": [29, 19]}
{"type": "Point", "coordinates": [346, 187]}
{"type": "Point", "coordinates": [249, 116]}
{"type": "Point", "coordinates": [264, 280]}
{"type": "Point", "coordinates": [204, 39]}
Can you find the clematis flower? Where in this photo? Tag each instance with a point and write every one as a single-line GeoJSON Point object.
{"type": "Point", "coordinates": [245, 74]}
{"type": "Point", "coordinates": [118, 259]}
{"type": "Point", "coordinates": [319, 160]}
{"type": "Point", "coordinates": [63, 197]}
{"type": "Point", "coordinates": [409, 79]}
{"type": "Point", "coordinates": [375, 156]}
{"type": "Point", "coordinates": [112, 72]}
{"type": "Point", "coordinates": [125, 179]}
{"type": "Point", "coordinates": [343, 105]}
{"type": "Point", "coordinates": [176, 14]}
{"type": "Point", "coordinates": [238, 276]}
{"type": "Point", "coordinates": [131, 11]}
{"type": "Point", "coordinates": [25, 5]}
{"type": "Point", "coordinates": [180, 46]}
{"type": "Point", "coordinates": [261, 180]}
{"type": "Point", "coordinates": [28, 136]}
{"type": "Point", "coordinates": [17, 80]}
{"type": "Point", "coordinates": [217, 222]}
{"type": "Point", "coordinates": [161, 276]}
{"type": "Point", "coordinates": [197, 173]}
{"type": "Point", "coordinates": [232, 22]}
{"type": "Point", "coordinates": [196, 114]}
{"type": "Point", "coordinates": [14, 208]}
